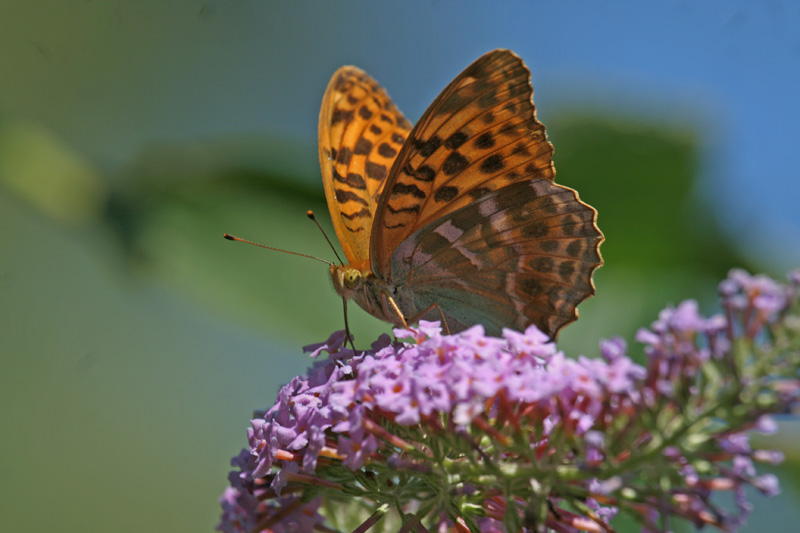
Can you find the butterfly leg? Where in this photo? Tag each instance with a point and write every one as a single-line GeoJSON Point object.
{"type": "Point", "coordinates": [416, 317]}
{"type": "Point", "coordinates": [349, 337]}
{"type": "Point", "coordinates": [431, 308]}
{"type": "Point", "coordinates": [388, 299]}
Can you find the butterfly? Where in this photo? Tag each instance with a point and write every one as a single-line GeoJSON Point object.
{"type": "Point", "coordinates": [458, 218]}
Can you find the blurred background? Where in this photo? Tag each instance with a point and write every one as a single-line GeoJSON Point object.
{"type": "Point", "coordinates": [136, 342]}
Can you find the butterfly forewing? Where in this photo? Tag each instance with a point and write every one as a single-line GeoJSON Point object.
{"type": "Point", "coordinates": [360, 135]}
{"type": "Point", "coordinates": [479, 135]}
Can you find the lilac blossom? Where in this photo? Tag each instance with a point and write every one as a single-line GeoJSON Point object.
{"type": "Point", "coordinates": [475, 433]}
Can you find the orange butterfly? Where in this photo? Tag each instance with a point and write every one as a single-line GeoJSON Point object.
{"type": "Point", "coordinates": [458, 218]}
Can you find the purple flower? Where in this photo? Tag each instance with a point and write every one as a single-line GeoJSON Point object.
{"type": "Point", "coordinates": [531, 343]}
{"type": "Point", "coordinates": [357, 448]}
{"type": "Point", "coordinates": [755, 300]}
{"type": "Point", "coordinates": [334, 343]}
{"type": "Point", "coordinates": [476, 416]}
{"type": "Point", "coordinates": [239, 511]}
{"type": "Point", "coordinates": [684, 318]}
{"type": "Point", "coordinates": [738, 443]}
{"type": "Point", "coordinates": [768, 484]}
{"type": "Point", "coordinates": [766, 425]}
{"type": "Point", "coordinates": [613, 349]}
{"type": "Point", "coordinates": [773, 457]}
{"type": "Point", "coordinates": [281, 479]}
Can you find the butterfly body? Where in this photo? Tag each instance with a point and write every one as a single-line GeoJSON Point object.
{"type": "Point", "coordinates": [373, 294]}
{"type": "Point", "coordinates": [459, 217]}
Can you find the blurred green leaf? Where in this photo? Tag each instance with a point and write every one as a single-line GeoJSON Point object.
{"type": "Point", "coordinates": [40, 168]}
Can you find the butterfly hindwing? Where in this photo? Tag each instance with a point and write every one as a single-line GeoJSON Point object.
{"type": "Point", "coordinates": [521, 255]}
{"type": "Point", "coordinates": [360, 135]}
{"type": "Point", "coordinates": [480, 134]}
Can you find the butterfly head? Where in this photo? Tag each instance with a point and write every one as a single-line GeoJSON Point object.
{"type": "Point", "coordinates": [347, 280]}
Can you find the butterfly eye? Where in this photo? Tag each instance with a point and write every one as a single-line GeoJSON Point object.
{"type": "Point", "coordinates": [352, 278]}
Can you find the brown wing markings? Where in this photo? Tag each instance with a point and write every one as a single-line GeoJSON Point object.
{"type": "Point", "coordinates": [497, 83]}
{"type": "Point", "coordinates": [351, 129]}
{"type": "Point", "coordinates": [511, 244]}
{"type": "Point", "coordinates": [519, 299]}
{"type": "Point", "coordinates": [485, 285]}
{"type": "Point", "coordinates": [499, 244]}
{"type": "Point", "coordinates": [503, 299]}
{"type": "Point", "coordinates": [432, 126]}
{"type": "Point", "coordinates": [484, 173]}
{"type": "Point", "coordinates": [435, 133]}
{"type": "Point", "coordinates": [509, 208]}
{"type": "Point", "coordinates": [503, 159]}
{"type": "Point", "coordinates": [450, 101]}
{"type": "Point", "coordinates": [454, 125]}
{"type": "Point", "coordinates": [472, 102]}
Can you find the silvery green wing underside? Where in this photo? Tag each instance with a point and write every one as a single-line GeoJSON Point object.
{"type": "Point", "coordinates": [523, 254]}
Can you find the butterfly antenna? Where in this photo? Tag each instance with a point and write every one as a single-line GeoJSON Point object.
{"type": "Point", "coordinates": [310, 215]}
{"type": "Point", "coordinates": [234, 238]}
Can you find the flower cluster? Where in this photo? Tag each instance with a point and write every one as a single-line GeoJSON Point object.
{"type": "Point", "coordinates": [474, 433]}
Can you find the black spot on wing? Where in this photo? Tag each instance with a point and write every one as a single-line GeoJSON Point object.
{"type": "Point", "coordinates": [353, 180]}
{"type": "Point", "coordinates": [566, 269]}
{"type": "Point", "coordinates": [353, 230]}
{"type": "Point", "coordinates": [408, 189]}
{"type": "Point", "coordinates": [406, 209]}
{"type": "Point", "coordinates": [341, 115]}
{"type": "Point", "coordinates": [484, 141]}
{"type": "Point", "coordinates": [349, 196]}
{"type": "Point", "coordinates": [545, 265]}
{"type": "Point", "coordinates": [375, 171]}
{"type": "Point", "coordinates": [454, 164]}
{"type": "Point", "coordinates": [520, 149]}
{"type": "Point", "coordinates": [455, 140]}
{"type": "Point", "coordinates": [445, 193]}
{"type": "Point", "coordinates": [491, 164]}
{"type": "Point", "coordinates": [364, 213]}
{"type": "Point", "coordinates": [424, 173]}
{"type": "Point", "coordinates": [344, 156]}
{"type": "Point", "coordinates": [518, 89]}
{"type": "Point", "coordinates": [362, 147]}
{"type": "Point", "coordinates": [574, 248]}
{"type": "Point", "coordinates": [536, 230]}
{"type": "Point", "coordinates": [386, 151]}
{"type": "Point", "coordinates": [478, 192]}
{"type": "Point", "coordinates": [510, 128]}
{"type": "Point", "coordinates": [531, 285]}
{"type": "Point", "coordinates": [426, 148]}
